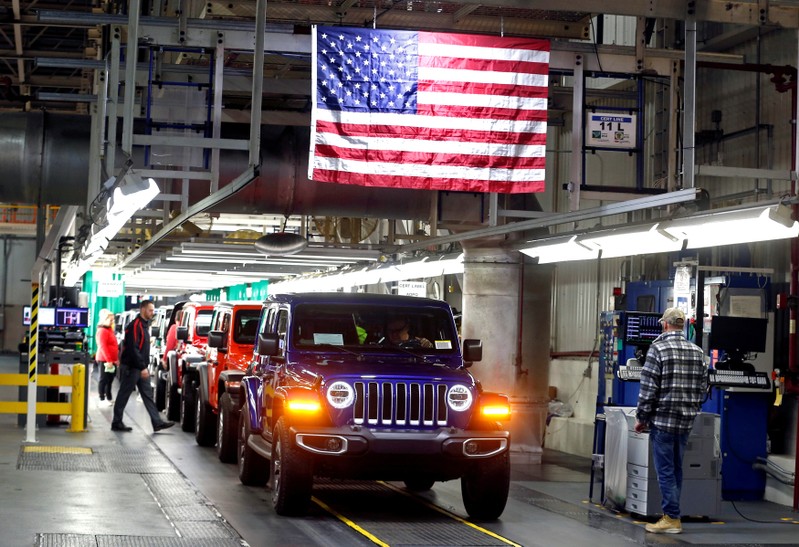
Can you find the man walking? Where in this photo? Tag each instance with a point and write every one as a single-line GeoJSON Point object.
{"type": "Point", "coordinates": [673, 383]}
{"type": "Point", "coordinates": [133, 371]}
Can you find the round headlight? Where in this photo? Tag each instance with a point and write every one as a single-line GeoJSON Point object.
{"type": "Point", "coordinates": [459, 398]}
{"type": "Point", "coordinates": [340, 395]}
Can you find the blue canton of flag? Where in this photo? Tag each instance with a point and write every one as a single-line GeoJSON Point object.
{"type": "Point", "coordinates": [363, 69]}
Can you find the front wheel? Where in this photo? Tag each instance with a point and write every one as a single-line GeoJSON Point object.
{"type": "Point", "coordinates": [253, 469]}
{"type": "Point", "coordinates": [205, 432]}
{"type": "Point", "coordinates": [485, 487]}
{"type": "Point", "coordinates": [292, 473]}
{"type": "Point", "coordinates": [187, 404]}
{"type": "Point", "coordinates": [160, 392]}
{"type": "Point", "coordinates": [172, 402]}
{"type": "Point", "coordinates": [226, 430]}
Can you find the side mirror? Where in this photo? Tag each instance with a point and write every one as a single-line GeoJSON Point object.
{"type": "Point", "coordinates": [182, 333]}
{"type": "Point", "coordinates": [472, 351]}
{"type": "Point", "coordinates": [268, 344]}
{"type": "Point", "coordinates": [216, 339]}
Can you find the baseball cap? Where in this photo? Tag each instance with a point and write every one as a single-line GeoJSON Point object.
{"type": "Point", "coordinates": [673, 316]}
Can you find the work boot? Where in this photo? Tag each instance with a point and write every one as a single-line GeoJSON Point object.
{"type": "Point", "coordinates": [666, 525]}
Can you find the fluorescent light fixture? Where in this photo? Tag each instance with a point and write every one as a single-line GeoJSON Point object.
{"type": "Point", "coordinates": [385, 273]}
{"type": "Point", "coordinates": [631, 241]}
{"type": "Point", "coordinates": [763, 223]}
{"type": "Point", "coordinates": [561, 249]}
{"type": "Point", "coordinates": [735, 227]}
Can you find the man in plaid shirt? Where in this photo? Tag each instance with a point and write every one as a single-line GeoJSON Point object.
{"type": "Point", "coordinates": [673, 383]}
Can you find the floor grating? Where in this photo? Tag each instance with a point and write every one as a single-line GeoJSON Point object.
{"type": "Point", "coordinates": [86, 540]}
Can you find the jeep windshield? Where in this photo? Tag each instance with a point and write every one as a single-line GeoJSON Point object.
{"type": "Point", "coordinates": [373, 328]}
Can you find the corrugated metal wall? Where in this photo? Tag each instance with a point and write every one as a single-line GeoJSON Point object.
{"type": "Point", "coordinates": [582, 289]}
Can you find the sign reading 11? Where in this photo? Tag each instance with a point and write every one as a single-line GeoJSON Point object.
{"type": "Point", "coordinates": [611, 130]}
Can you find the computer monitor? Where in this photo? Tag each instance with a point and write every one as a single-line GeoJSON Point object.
{"type": "Point", "coordinates": [738, 335]}
{"type": "Point", "coordinates": [641, 328]}
{"type": "Point", "coordinates": [46, 317]}
{"type": "Point", "coordinates": [72, 317]}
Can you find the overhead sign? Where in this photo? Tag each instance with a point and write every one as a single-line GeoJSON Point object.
{"type": "Point", "coordinates": [611, 130]}
{"type": "Point", "coordinates": [412, 288]}
{"type": "Point", "coordinates": [110, 289]}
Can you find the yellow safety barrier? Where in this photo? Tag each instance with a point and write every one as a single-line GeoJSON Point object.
{"type": "Point", "coordinates": [74, 408]}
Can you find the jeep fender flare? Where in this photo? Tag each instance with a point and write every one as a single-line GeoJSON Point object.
{"type": "Point", "coordinates": [227, 377]}
{"type": "Point", "coordinates": [202, 370]}
{"type": "Point", "coordinates": [251, 390]}
{"type": "Point", "coordinates": [172, 366]}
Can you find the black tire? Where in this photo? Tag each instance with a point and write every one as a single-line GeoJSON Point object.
{"type": "Point", "coordinates": [292, 474]}
{"type": "Point", "coordinates": [485, 488]}
{"type": "Point", "coordinates": [172, 402]}
{"type": "Point", "coordinates": [419, 484]}
{"type": "Point", "coordinates": [226, 430]}
{"type": "Point", "coordinates": [253, 469]}
{"type": "Point", "coordinates": [205, 432]}
{"type": "Point", "coordinates": [160, 393]}
{"type": "Point", "coordinates": [187, 404]}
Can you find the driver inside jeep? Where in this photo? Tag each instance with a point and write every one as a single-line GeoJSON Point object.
{"type": "Point", "coordinates": [398, 330]}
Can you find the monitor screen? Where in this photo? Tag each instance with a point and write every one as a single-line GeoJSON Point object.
{"type": "Point", "coordinates": [46, 317]}
{"type": "Point", "coordinates": [641, 328]}
{"type": "Point", "coordinates": [72, 317]}
{"type": "Point", "coordinates": [738, 334]}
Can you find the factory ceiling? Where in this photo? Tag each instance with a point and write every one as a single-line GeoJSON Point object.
{"type": "Point", "coordinates": [53, 52]}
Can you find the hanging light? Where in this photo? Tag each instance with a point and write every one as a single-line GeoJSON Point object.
{"type": "Point", "coordinates": [632, 241]}
{"type": "Point", "coordinates": [561, 249]}
{"type": "Point", "coordinates": [735, 227]}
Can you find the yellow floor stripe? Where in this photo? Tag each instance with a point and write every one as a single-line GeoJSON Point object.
{"type": "Point", "coordinates": [58, 449]}
{"type": "Point", "coordinates": [348, 522]}
{"type": "Point", "coordinates": [451, 515]}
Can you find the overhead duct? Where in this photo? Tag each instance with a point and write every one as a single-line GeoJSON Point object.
{"type": "Point", "coordinates": [44, 158]}
{"type": "Point", "coordinates": [48, 155]}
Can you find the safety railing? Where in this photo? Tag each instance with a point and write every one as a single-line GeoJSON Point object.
{"type": "Point", "coordinates": [24, 215]}
{"type": "Point", "coordinates": [74, 408]}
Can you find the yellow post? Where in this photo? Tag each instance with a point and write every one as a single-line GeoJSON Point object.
{"type": "Point", "coordinates": [33, 351]}
{"type": "Point", "coordinates": [78, 398]}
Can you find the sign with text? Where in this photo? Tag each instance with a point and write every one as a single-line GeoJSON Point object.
{"type": "Point", "coordinates": [607, 130]}
{"type": "Point", "coordinates": [109, 289]}
{"type": "Point", "coordinates": [412, 288]}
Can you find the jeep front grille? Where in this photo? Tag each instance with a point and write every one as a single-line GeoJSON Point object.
{"type": "Point", "coordinates": [400, 404]}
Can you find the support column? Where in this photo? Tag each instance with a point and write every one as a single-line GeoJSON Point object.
{"type": "Point", "coordinates": [507, 305]}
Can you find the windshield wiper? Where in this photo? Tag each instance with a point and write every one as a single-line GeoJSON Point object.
{"type": "Point", "coordinates": [414, 354]}
{"type": "Point", "coordinates": [341, 348]}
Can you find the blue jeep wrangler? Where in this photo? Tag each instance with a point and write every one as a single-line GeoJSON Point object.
{"type": "Point", "coordinates": [363, 386]}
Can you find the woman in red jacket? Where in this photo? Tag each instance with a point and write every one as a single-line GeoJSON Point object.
{"type": "Point", "coordinates": [107, 355]}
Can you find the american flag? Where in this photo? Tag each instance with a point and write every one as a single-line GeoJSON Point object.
{"type": "Point", "coordinates": [429, 111]}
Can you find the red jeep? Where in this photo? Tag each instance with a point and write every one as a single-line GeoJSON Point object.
{"type": "Point", "coordinates": [230, 347]}
{"type": "Point", "coordinates": [193, 324]}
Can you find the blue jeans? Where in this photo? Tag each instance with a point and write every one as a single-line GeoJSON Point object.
{"type": "Point", "coordinates": [668, 450]}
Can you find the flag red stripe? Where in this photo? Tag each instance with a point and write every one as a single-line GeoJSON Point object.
{"type": "Point", "coordinates": [426, 183]}
{"type": "Point", "coordinates": [430, 158]}
{"type": "Point", "coordinates": [535, 92]}
{"type": "Point", "coordinates": [481, 112]}
{"type": "Point", "coordinates": [507, 42]}
{"type": "Point", "coordinates": [426, 133]}
{"type": "Point", "coordinates": [485, 65]}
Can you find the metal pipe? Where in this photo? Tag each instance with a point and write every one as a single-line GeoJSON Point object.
{"type": "Point", "coordinates": [282, 187]}
{"type": "Point", "coordinates": [794, 280]}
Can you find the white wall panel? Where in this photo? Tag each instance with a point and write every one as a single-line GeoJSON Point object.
{"type": "Point", "coordinates": [581, 290]}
